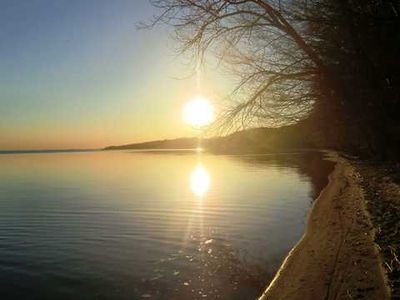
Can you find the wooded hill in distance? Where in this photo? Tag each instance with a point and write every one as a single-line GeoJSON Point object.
{"type": "Point", "coordinates": [256, 140]}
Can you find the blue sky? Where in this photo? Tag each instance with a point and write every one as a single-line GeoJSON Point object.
{"type": "Point", "coordinates": [79, 74]}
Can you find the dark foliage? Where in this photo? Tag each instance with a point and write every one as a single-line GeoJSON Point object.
{"type": "Point", "coordinates": [359, 43]}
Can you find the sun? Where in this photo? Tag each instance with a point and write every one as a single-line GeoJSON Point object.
{"type": "Point", "coordinates": [198, 112]}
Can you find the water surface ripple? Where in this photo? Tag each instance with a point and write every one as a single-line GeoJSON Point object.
{"type": "Point", "coordinates": [132, 225]}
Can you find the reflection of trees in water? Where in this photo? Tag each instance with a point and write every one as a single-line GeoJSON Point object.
{"type": "Point", "coordinates": [308, 163]}
{"type": "Point", "coordinates": [208, 267]}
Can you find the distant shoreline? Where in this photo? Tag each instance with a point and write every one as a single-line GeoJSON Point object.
{"type": "Point", "coordinates": [164, 150]}
{"type": "Point", "coordinates": [47, 151]}
{"type": "Point", "coordinates": [254, 140]}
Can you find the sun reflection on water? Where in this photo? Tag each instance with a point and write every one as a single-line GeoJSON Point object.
{"type": "Point", "coordinates": [199, 180]}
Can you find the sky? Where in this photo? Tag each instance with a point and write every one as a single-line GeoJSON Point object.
{"type": "Point", "coordinates": [79, 74]}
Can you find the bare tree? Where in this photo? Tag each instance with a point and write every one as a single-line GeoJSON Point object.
{"type": "Point", "coordinates": [265, 46]}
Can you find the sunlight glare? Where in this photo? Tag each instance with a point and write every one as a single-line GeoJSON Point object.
{"type": "Point", "coordinates": [198, 112]}
{"type": "Point", "coordinates": [199, 180]}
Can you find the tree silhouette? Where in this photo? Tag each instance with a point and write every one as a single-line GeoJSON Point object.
{"type": "Point", "coordinates": [301, 59]}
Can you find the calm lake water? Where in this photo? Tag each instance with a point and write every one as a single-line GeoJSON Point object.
{"type": "Point", "coordinates": [150, 225]}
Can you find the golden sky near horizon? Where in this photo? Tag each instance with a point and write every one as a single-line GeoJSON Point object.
{"type": "Point", "coordinates": [85, 77]}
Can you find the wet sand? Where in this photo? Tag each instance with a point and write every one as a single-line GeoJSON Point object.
{"type": "Point", "coordinates": [336, 257]}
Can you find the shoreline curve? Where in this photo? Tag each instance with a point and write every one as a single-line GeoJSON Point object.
{"type": "Point", "coordinates": [336, 258]}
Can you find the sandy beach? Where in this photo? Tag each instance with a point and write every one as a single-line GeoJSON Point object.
{"type": "Point", "coordinates": [336, 257]}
